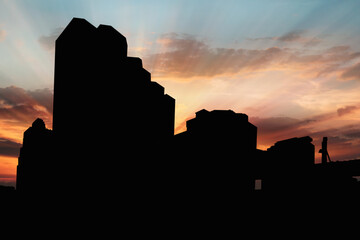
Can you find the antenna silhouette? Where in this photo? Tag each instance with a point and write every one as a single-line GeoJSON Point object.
{"type": "Point", "coordinates": [324, 152]}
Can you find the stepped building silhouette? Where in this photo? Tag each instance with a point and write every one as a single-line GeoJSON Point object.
{"type": "Point", "coordinates": [108, 115]}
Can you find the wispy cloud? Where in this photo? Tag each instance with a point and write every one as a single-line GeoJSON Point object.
{"type": "Point", "coordinates": [346, 110]}
{"type": "Point", "coordinates": [9, 148]}
{"type": "Point", "coordinates": [48, 41]}
{"type": "Point", "coordinates": [298, 36]}
{"type": "Point", "coordinates": [185, 56]}
{"type": "Point", "coordinates": [353, 72]}
{"type": "Point", "coordinates": [20, 107]}
{"type": "Point", "coordinates": [293, 36]}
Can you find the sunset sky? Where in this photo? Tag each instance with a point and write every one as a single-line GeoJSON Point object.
{"type": "Point", "coordinates": [293, 66]}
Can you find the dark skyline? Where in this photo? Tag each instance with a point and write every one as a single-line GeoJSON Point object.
{"type": "Point", "coordinates": [218, 161]}
{"type": "Point", "coordinates": [292, 67]}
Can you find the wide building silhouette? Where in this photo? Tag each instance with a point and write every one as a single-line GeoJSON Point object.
{"type": "Point", "coordinates": [289, 166]}
{"type": "Point", "coordinates": [220, 148]}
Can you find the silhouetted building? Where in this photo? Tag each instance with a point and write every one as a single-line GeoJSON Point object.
{"type": "Point", "coordinates": [297, 152]}
{"type": "Point", "coordinates": [100, 91]}
{"type": "Point", "coordinates": [110, 121]}
{"type": "Point", "coordinates": [34, 170]}
{"type": "Point", "coordinates": [6, 190]}
{"type": "Point", "coordinates": [222, 127]}
{"type": "Point", "coordinates": [289, 165]}
{"type": "Point", "coordinates": [113, 134]}
{"type": "Point", "coordinates": [337, 178]}
{"type": "Point", "coordinates": [219, 147]}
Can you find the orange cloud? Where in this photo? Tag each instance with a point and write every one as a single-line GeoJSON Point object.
{"type": "Point", "coordinates": [352, 72]}
{"type": "Point", "coordinates": [20, 106]}
{"type": "Point", "coordinates": [184, 56]}
{"type": "Point", "coordinates": [346, 110]}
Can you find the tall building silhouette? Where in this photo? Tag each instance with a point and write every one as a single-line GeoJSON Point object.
{"type": "Point", "coordinates": [98, 86]}
{"type": "Point", "coordinates": [110, 121]}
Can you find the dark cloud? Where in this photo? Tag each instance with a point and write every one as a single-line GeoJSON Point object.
{"type": "Point", "coordinates": [275, 124]}
{"type": "Point", "coordinates": [354, 133]}
{"type": "Point", "coordinates": [9, 148]}
{"type": "Point", "coordinates": [352, 72]}
{"type": "Point", "coordinates": [25, 106]}
{"type": "Point", "coordinates": [14, 96]}
{"type": "Point", "coordinates": [273, 129]}
{"type": "Point", "coordinates": [293, 36]}
{"type": "Point", "coordinates": [48, 41]}
{"type": "Point", "coordinates": [337, 49]}
{"type": "Point", "coordinates": [346, 110]}
{"type": "Point", "coordinates": [261, 39]}
{"type": "Point", "coordinates": [44, 97]}
{"type": "Point", "coordinates": [297, 36]}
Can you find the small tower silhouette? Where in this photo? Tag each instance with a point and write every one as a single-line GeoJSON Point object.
{"type": "Point", "coordinates": [34, 167]}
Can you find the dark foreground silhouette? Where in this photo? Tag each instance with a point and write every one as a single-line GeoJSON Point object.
{"type": "Point", "coordinates": [113, 144]}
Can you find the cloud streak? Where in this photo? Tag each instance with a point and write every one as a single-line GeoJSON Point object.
{"type": "Point", "coordinates": [19, 108]}
{"type": "Point", "coordinates": [297, 36]}
{"type": "Point", "coordinates": [185, 56]}
{"type": "Point", "coordinates": [9, 148]}
{"type": "Point", "coordinates": [352, 72]}
{"type": "Point", "coordinates": [25, 106]}
{"type": "Point", "coordinates": [346, 110]}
